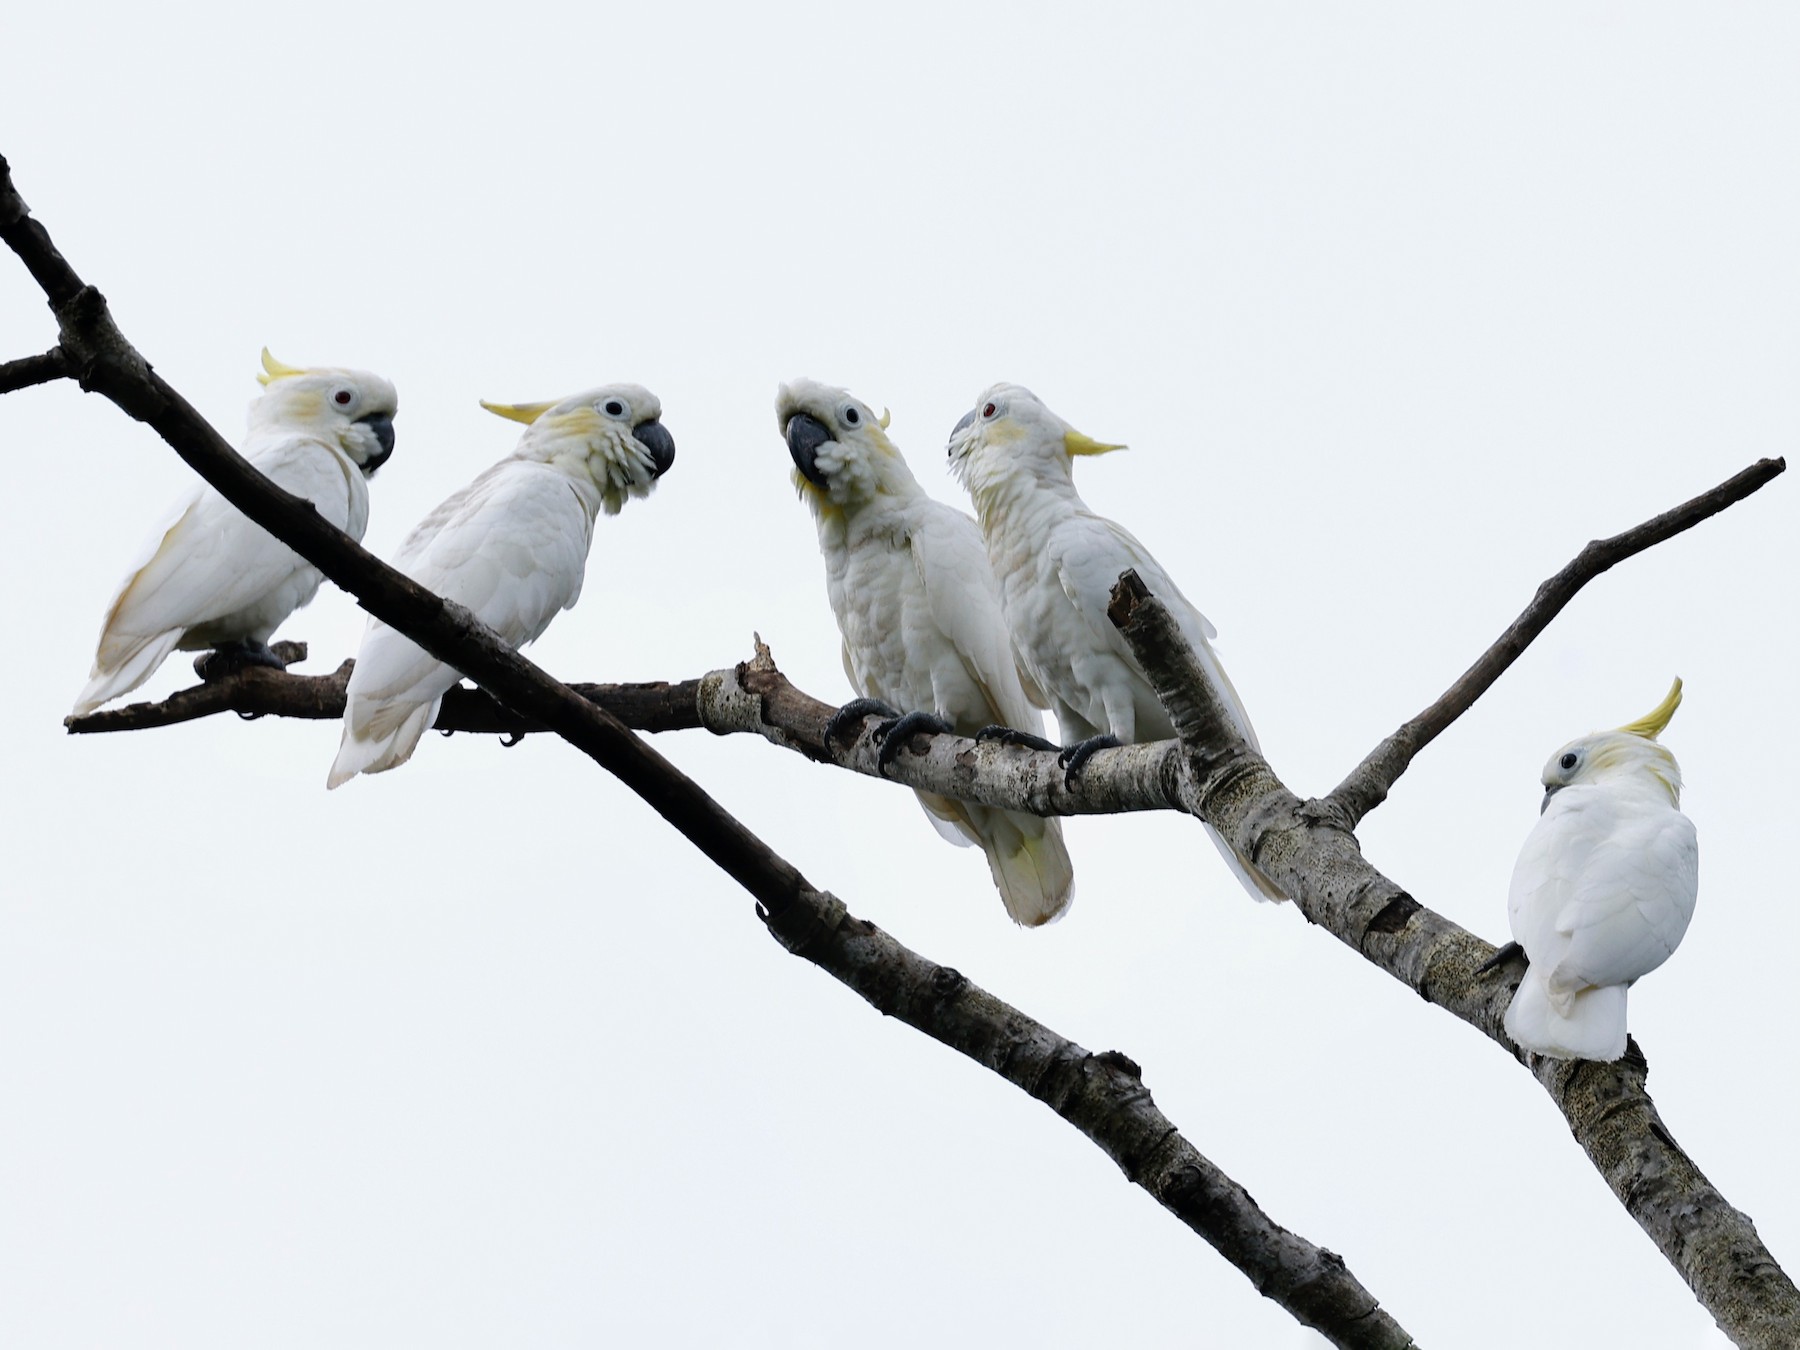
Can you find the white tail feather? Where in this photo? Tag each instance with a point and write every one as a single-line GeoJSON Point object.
{"type": "Point", "coordinates": [139, 664]}
{"type": "Point", "coordinates": [378, 753]}
{"type": "Point", "coordinates": [1593, 1029]}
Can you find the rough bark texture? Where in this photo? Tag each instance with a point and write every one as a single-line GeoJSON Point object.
{"type": "Point", "coordinates": [1311, 1283]}
{"type": "Point", "coordinates": [1306, 849]}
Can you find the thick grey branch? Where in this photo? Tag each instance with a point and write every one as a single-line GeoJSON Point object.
{"type": "Point", "coordinates": [1312, 1284]}
{"type": "Point", "coordinates": [1306, 849]}
{"type": "Point", "coordinates": [1367, 785]}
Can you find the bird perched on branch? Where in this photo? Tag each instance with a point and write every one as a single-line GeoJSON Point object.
{"type": "Point", "coordinates": [1057, 563]}
{"type": "Point", "coordinates": [216, 579]}
{"type": "Point", "coordinates": [1603, 889]}
{"type": "Point", "coordinates": [512, 547]}
{"type": "Point", "coordinates": [924, 640]}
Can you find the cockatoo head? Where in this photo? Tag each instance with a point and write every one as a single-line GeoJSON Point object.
{"type": "Point", "coordinates": [842, 456]}
{"type": "Point", "coordinates": [1009, 434]}
{"type": "Point", "coordinates": [615, 431]}
{"type": "Point", "coordinates": [1611, 756]}
{"type": "Point", "coordinates": [350, 409]}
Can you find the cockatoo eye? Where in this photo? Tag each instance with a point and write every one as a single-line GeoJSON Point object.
{"type": "Point", "coordinates": [989, 411]}
{"type": "Point", "coordinates": [1569, 761]}
{"type": "Point", "coordinates": [343, 397]}
{"type": "Point", "coordinates": [851, 417]}
{"type": "Point", "coordinates": [613, 408]}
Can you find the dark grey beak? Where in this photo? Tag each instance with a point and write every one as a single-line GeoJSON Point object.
{"type": "Point", "coordinates": [655, 438]}
{"type": "Point", "coordinates": [962, 424]}
{"type": "Point", "coordinates": [1548, 794]}
{"type": "Point", "coordinates": [804, 437]}
{"type": "Point", "coordinates": [383, 427]}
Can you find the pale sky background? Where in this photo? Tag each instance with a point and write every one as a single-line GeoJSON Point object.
{"type": "Point", "coordinates": [1396, 305]}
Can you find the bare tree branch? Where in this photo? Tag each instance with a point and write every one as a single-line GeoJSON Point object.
{"type": "Point", "coordinates": [1367, 785]}
{"type": "Point", "coordinates": [1312, 1284]}
{"type": "Point", "coordinates": [1306, 849]}
{"type": "Point", "coordinates": [30, 370]}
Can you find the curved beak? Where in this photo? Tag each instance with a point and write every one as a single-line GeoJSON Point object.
{"type": "Point", "coordinates": [383, 427]}
{"type": "Point", "coordinates": [1548, 794]}
{"type": "Point", "coordinates": [655, 438]}
{"type": "Point", "coordinates": [804, 437]}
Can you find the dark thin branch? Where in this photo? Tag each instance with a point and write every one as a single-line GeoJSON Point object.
{"type": "Point", "coordinates": [1367, 785]}
{"type": "Point", "coordinates": [30, 370]}
{"type": "Point", "coordinates": [1311, 1283]}
{"type": "Point", "coordinates": [1306, 850]}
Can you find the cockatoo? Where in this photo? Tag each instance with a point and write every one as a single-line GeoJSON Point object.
{"type": "Point", "coordinates": [1603, 889]}
{"type": "Point", "coordinates": [214, 578]}
{"type": "Point", "coordinates": [920, 616]}
{"type": "Point", "coordinates": [1057, 563]}
{"type": "Point", "coordinates": [512, 547]}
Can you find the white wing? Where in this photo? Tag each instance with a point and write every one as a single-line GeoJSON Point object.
{"type": "Point", "coordinates": [215, 564]}
{"type": "Point", "coordinates": [1628, 908]}
{"type": "Point", "coordinates": [511, 547]}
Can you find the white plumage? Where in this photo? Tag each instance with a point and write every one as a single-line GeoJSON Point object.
{"type": "Point", "coordinates": [214, 578]}
{"type": "Point", "coordinates": [1603, 889]}
{"type": "Point", "coordinates": [511, 547]}
{"type": "Point", "coordinates": [919, 612]}
{"type": "Point", "coordinates": [1057, 563]}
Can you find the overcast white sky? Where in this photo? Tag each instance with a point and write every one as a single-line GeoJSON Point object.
{"type": "Point", "coordinates": [1397, 307]}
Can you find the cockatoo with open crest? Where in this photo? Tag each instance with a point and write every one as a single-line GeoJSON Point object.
{"type": "Point", "coordinates": [1057, 563]}
{"type": "Point", "coordinates": [512, 547]}
{"type": "Point", "coordinates": [1603, 889]}
{"type": "Point", "coordinates": [214, 578]}
{"type": "Point", "coordinates": [919, 612]}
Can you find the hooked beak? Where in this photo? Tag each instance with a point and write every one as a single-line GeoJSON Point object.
{"type": "Point", "coordinates": [383, 427]}
{"type": "Point", "coordinates": [804, 437]}
{"type": "Point", "coordinates": [966, 421]}
{"type": "Point", "coordinates": [655, 438]}
{"type": "Point", "coordinates": [1548, 794]}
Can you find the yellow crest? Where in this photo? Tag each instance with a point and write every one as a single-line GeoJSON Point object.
{"type": "Point", "coordinates": [1077, 444]}
{"type": "Point", "coordinates": [885, 418]}
{"type": "Point", "coordinates": [518, 412]}
{"type": "Point", "coordinates": [275, 370]}
{"type": "Point", "coordinates": [1650, 725]}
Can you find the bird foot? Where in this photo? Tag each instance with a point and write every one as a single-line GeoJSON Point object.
{"type": "Point", "coordinates": [1500, 958]}
{"type": "Point", "coordinates": [893, 735]}
{"type": "Point", "coordinates": [230, 657]}
{"type": "Point", "coordinates": [1013, 736]}
{"type": "Point", "coordinates": [846, 722]}
{"type": "Point", "coordinates": [1074, 757]}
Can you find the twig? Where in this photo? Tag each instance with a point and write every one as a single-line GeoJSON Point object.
{"type": "Point", "coordinates": [1367, 785]}
{"type": "Point", "coordinates": [30, 370]}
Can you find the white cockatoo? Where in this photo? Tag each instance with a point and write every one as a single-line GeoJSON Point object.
{"type": "Point", "coordinates": [1057, 563]}
{"type": "Point", "coordinates": [214, 578]}
{"type": "Point", "coordinates": [512, 547]}
{"type": "Point", "coordinates": [1603, 889]}
{"type": "Point", "coordinates": [920, 616]}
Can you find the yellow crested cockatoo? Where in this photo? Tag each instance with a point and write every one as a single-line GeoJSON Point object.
{"type": "Point", "coordinates": [511, 547]}
{"type": "Point", "coordinates": [1057, 563]}
{"type": "Point", "coordinates": [216, 579]}
{"type": "Point", "coordinates": [1603, 889]}
{"type": "Point", "coordinates": [920, 616]}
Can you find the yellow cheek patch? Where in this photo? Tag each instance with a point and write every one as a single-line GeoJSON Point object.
{"type": "Point", "coordinates": [518, 412]}
{"type": "Point", "coordinates": [1651, 724]}
{"type": "Point", "coordinates": [1077, 444]}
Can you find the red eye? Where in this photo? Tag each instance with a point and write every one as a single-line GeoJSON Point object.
{"type": "Point", "coordinates": [988, 411]}
{"type": "Point", "coordinates": [342, 398]}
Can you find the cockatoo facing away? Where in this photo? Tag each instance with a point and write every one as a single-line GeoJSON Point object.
{"type": "Point", "coordinates": [920, 617]}
{"type": "Point", "coordinates": [512, 547]}
{"type": "Point", "coordinates": [217, 579]}
{"type": "Point", "coordinates": [1603, 889]}
{"type": "Point", "coordinates": [1057, 563]}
